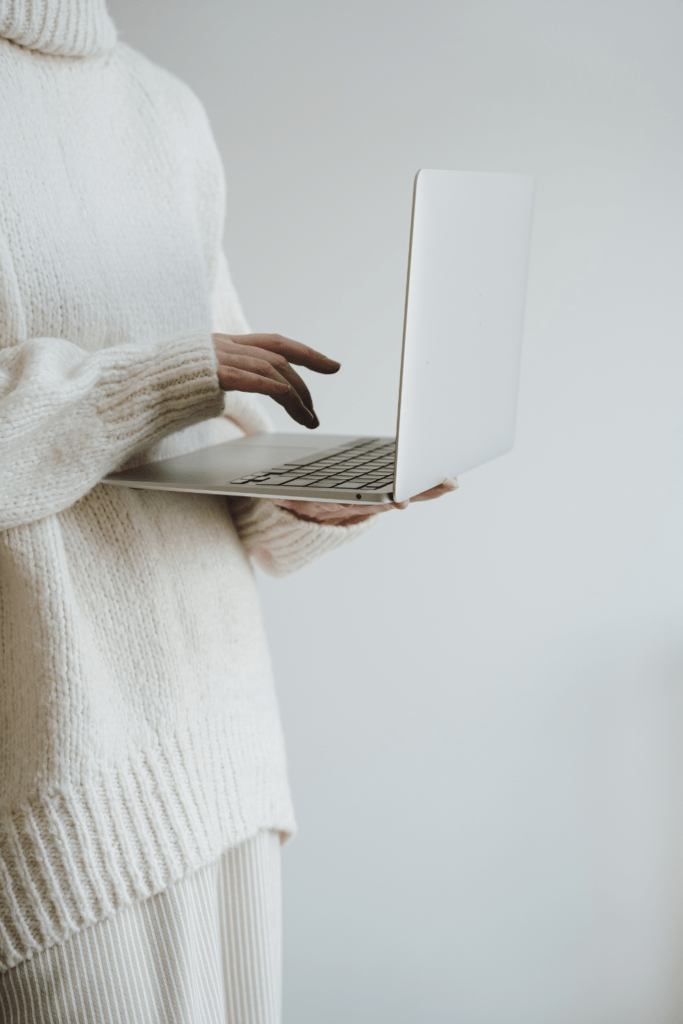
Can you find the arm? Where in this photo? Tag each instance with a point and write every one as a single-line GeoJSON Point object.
{"type": "Point", "coordinates": [68, 417]}
{"type": "Point", "coordinates": [281, 542]}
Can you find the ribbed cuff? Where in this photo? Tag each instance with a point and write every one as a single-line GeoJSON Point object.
{"type": "Point", "coordinates": [174, 386]}
{"type": "Point", "coordinates": [281, 543]}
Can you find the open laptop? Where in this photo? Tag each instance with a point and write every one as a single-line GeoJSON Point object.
{"type": "Point", "coordinates": [462, 335]}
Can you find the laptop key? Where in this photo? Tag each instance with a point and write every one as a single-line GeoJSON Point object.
{"type": "Point", "coordinates": [302, 482]}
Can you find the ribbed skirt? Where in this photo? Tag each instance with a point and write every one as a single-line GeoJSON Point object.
{"type": "Point", "coordinates": [207, 950]}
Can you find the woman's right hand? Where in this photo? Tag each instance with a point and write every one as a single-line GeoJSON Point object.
{"type": "Point", "coordinates": [261, 363]}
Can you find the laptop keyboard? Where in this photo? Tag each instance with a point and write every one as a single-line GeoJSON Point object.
{"type": "Point", "coordinates": [367, 465]}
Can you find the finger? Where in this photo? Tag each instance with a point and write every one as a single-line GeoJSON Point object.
{"type": "Point", "coordinates": [279, 363]}
{"type": "Point", "coordinates": [437, 492]}
{"type": "Point", "coordinates": [317, 509]}
{"type": "Point", "coordinates": [331, 513]}
{"type": "Point", "coordinates": [293, 351]}
{"type": "Point", "coordinates": [232, 378]}
{"type": "Point", "coordinates": [288, 398]}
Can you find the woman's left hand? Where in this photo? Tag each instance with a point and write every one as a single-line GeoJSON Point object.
{"type": "Point", "coordinates": [334, 514]}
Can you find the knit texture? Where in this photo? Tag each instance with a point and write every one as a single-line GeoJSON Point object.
{"type": "Point", "coordinates": [139, 735]}
{"type": "Point", "coordinates": [79, 28]}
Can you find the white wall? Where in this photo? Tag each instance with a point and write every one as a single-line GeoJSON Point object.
{"type": "Point", "coordinates": [483, 698]}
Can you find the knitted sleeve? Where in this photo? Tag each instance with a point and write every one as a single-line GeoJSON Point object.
{"type": "Point", "coordinates": [281, 543]}
{"type": "Point", "coordinates": [68, 417]}
{"type": "Point", "coordinates": [277, 540]}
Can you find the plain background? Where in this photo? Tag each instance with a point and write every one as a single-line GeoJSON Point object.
{"type": "Point", "coordinates": [483, 698]}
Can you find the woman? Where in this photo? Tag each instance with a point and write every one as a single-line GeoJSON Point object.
{"type": "Point", "coordinates": [144, 785]}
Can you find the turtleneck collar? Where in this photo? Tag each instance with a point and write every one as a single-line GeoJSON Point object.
{"type": "Point", "coordinates": [68, 28]}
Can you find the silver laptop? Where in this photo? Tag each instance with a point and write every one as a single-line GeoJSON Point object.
{"type": "Point", "coordinates": [462, 335]}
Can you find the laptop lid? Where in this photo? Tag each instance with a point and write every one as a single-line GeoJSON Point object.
{"type": "Point", "coordinates": [464, 318]}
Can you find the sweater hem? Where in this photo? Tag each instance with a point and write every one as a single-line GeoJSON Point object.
{"type": "Point", "coordinates": [74, 856]}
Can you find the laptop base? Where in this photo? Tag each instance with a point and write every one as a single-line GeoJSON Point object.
{"type": "Point", "coordinates": [217, 469]}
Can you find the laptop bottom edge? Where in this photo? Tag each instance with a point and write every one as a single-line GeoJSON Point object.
{"type": "Point", "coordinates": [246, 491]}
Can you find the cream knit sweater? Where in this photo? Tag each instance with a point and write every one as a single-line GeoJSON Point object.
{"type": "Point", "coordinates": [139, 734]}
